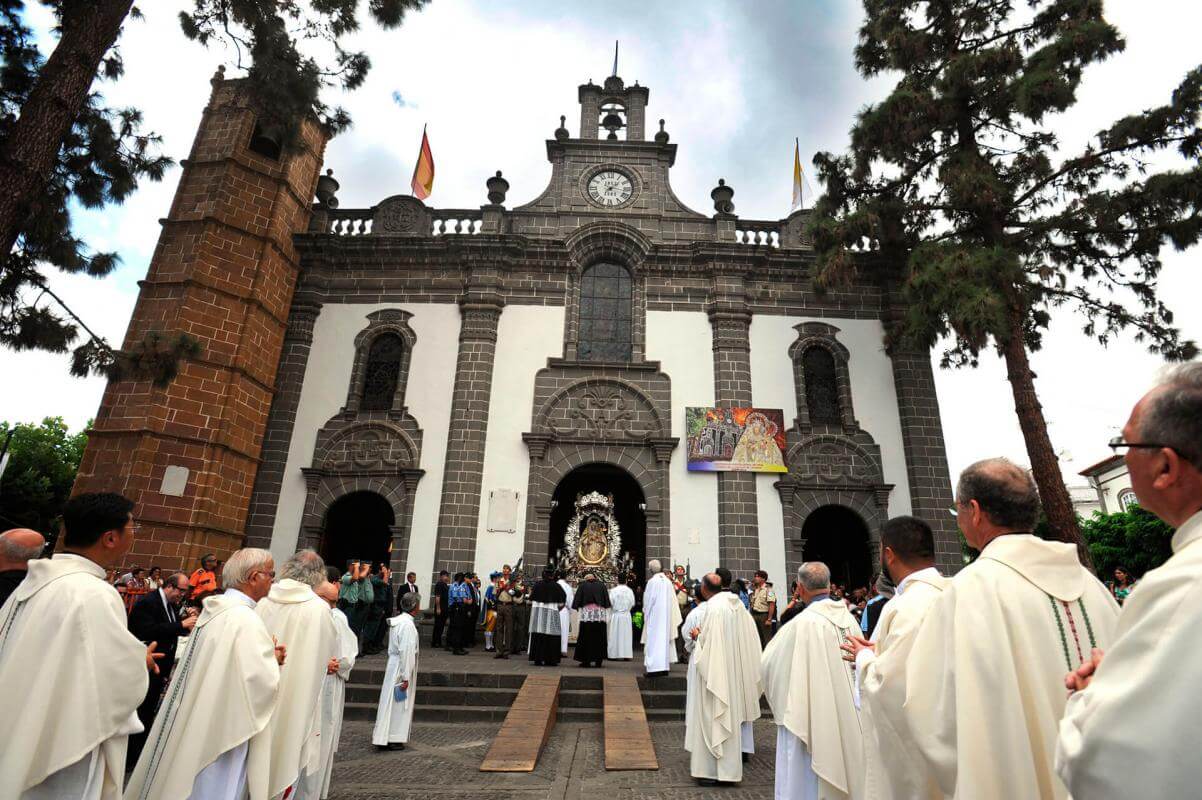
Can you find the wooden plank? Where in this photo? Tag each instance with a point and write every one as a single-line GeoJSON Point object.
{"type": "Point", "coordinates": [534, 709]}
{"type": "Point", "coordinates": [628, 743]}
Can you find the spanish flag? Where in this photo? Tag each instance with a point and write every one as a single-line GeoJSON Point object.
{"type": "Point", "coordinates": [423, 174]}
{"type": "Point", "coordinates": [797, 176]}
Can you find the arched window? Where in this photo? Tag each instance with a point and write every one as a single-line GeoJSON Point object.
{"type": "Point", "coordinates": [822, 387]}
{"type": "Point", "coordinates": [382, 372]}
{"type": "Point", "coordinates": [606, 301]}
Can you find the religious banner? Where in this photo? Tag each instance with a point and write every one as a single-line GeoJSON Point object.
{"type": "Point", "coordinates": [735, 439]}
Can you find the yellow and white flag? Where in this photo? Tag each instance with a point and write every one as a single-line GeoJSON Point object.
{"type": "Point", "coordinates": [797, 176]}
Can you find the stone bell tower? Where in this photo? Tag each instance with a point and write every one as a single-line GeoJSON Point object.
{"type": "Point", "coordinates": [223, 272]}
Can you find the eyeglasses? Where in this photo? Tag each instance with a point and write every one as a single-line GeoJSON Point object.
{"type": "Point", "coordinates": [1117, 442]}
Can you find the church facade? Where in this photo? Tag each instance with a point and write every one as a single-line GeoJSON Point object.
{"type": "Point", "coordinates": [450, 381]}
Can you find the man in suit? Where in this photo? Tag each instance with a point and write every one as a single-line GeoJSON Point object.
{"type": "Point", "coordinates": [442, 609]}
{"type": "Point", "coordinates": [408, 587]}
{"type": "Point", "coordinates": [157, 618]}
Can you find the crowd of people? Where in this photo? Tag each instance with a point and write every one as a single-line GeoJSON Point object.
{"type": "Point", "coordinates": [1020, 676]}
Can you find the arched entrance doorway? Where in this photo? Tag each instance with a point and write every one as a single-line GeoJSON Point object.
{"type": "Point", "coordinates": [628, 508]}
{"type": "Point", "coordinates": [357, 526]}
{"type": "Point", "coordinates": [838, 537]}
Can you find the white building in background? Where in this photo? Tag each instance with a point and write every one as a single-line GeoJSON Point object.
{"type": "Point", "coordinates": [1111, 484]}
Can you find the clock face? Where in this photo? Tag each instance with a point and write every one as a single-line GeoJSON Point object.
{"type": "Point", "coordinates": [610, 188]}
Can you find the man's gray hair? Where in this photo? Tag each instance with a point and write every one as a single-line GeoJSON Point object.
{"type": "Point", "coordinates": [814, 576]}
{"type": "Point", "coordinates": [409, 602]}
{"type": "Point", "coordinates": [305, 567]}
{"type": "Point", "coordinates": [654, 567]}
{"type": "Point", "coordinates": [1173, 415]}
{"type": "Point", "coordinates": [1005, 492]}
{"type": "Point", "coordinates": [241, 564]}
{"type": "Point", "coordinates": [12, 550]}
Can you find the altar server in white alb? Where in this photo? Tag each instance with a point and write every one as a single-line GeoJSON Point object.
{"type": "Point", "coordinates": [222, 694]}
{"type": "Point", "coordinates": [565, 614]}
{"type": "Point", "coordinates": [394, 715]}
{"type": "Point", "coordinates": [895, 769]}
{"type": "Point", "coordinates": [71, 675]}
{"type": "Point", "coordinates": [691, 630]}
{"type": "Point", "coordinates": [333, 692]}
{"type": "Point", "coordinates": [985, 678]}
{"type": "Point", "coordinates": [724, 687]}
{"type": "Point", "coordinates": [621, 629]}
{"type": "Point", "coordinates": [819, 742]}
{"type": "Point", "coordinates": [1131, 728]}
{"type": "Point", "coordinates": [289, 748]}
{"type": "Point", "coordinates": [661, 621]}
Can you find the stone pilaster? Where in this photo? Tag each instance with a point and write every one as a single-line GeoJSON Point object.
{"type": "Point", "coordinates": [298, 342]}
{"type": "Point", "coordinates": [730, 321]}
{"type": "Point", "coordinates": [926, 458]}
{"type": "Point", "coordinates": [458, 519]}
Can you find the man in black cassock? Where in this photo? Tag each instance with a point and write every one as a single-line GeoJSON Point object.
{"type": "Point", "coordinates": [592, 601]}
{"type": "Point", "coordinates": [547, 598]}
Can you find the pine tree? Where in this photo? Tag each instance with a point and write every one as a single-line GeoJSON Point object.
{"type": "Point", "coordinates": [956, 195]}
{"type": "Point", "coordinates": [60, 144]}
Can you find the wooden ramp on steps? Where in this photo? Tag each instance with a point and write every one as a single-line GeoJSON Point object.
{"type": "Point", "coordinates": [627, 738]}
{"type": "Point", "coordinates": [519, 743]}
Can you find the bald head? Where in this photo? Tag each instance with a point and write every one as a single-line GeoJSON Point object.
{"type": "Point", "coordinates": [711, 584]}
{"type": "Point", "coordinates": [329, 592]}
{"type": "Point", "coordinates": [18, 546]}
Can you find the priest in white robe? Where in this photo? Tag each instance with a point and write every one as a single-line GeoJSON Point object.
{"type": "Point", "coordinates": [565, 615]}
{"type": "Point", "coordinates": [985, 678]}
{"type": "Point", "coordinates": [621, 629]}
{"type": "Point", "coordinates": [724, 687]}
{"type": "Point", "coordinates": [394, 716]}
{"type": "Point", "coordinates": [333, 694]}
{"type": "Point", "coordinates": [289, 748]}
{"type": "Point", "coordinates": [691, 630]}
{"type": "Point", "coordinates": [661, 621]}
{"type": "Point", "coordinates": [819, 742]}
{"type": "Point", "coordinates": [222, 694]}
{"type": "Point", "coordinates": [895, 770]}
{"type": "Point", "coordinates": [1130, 728]}
{"type": "Point", "coordinates": [71, 674]}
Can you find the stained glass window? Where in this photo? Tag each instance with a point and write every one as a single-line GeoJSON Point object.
{"type": "Point", "coordinates": [382, 372]}
{"type": "Point", "coordinates": [605, 314]}
{"type": "Point", "coordinates": [822, 386]}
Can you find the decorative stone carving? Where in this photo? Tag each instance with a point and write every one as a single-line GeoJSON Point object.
{"type": "Point", "coordinates": [401, 216]}
{"type": "Point", "coordinates": [828, 459]}
{"type": "Point", "coordinates": [374, 446]}
{"type": "Point", "coordinates": [606, 410]}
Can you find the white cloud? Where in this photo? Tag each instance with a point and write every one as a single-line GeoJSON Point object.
{"type": "Point", "coordinates": [735, 82]}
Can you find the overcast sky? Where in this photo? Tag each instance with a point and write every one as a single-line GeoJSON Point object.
{"type": "Point", "coordinates": [736, 82]}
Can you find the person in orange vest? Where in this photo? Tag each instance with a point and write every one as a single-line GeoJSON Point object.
{"type": "Point", "coordinates": [204, 580]}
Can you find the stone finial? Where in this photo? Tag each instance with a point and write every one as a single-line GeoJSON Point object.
{"type": "Point", "coordinates": [722, 196]}
{"type": "Point", "coordinates": [561, 132]}
{"type": "Point", "coordinates": [662, 136]}
{"type": "Point", "coordinates": [218, 75]}
{"type": "Point", "coordinates": [497, 187]}
{"type": "Point", "coordinates": [327, 189]}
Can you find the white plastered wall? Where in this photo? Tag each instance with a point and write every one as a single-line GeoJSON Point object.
{"type": "Point", "coordinates": [427, 396]}
{"type": "Point", "coordinates": [526, 337]}
{"type": "Point", "coordinates": [681, 342]}
{"type": "Point", "coordinates": [874, 401]}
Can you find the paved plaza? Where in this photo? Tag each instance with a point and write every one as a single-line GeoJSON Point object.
{"type": "Point", "coordinates": [443, 760]}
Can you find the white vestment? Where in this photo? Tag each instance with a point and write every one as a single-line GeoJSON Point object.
{"type": "Point", "coordinates": [333, 699]}
{"type": "Point", "coordinates": [819, 743]}
{"type": "Point", "coordinates": [1132, 732]}
{"type": "Point", "coordinates": [221, 694]}
{"type": "Point", "coordinates": [621, 632]}
{"type": "Point", "coordinates": [895, 768]}
{"type": "Point", "coordinates": [71, 676]}
{"type": "Point", "coordinates": [724, 688]}
{"type": "Point", "coordinates": [565, 617]}
{"type": "Point", "coordinates": [661, 623]}
{"type": "Point", "coordinates": [985, 678]}
{"type": "Point", "coordinates": [290, 746]}
{"type": "Point", "coordinates": [393, 719]}
{"type": "Point", "coordinates": [693, 620]}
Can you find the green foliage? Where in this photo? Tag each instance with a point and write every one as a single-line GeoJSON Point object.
{"type": "Point", "coordinates": [1136, 540]}
{"type": "Point", "coordinates": [41, 470]}
{"type": "Point", "coordinates": [106, 153]}
{"type": "Point", "coordinates": [956, 183]}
